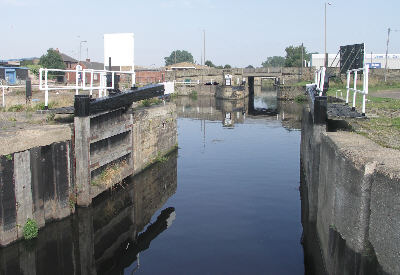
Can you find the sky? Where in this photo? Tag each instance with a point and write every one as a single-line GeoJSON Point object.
{"type": "Point", "coordinates": [238, 33]}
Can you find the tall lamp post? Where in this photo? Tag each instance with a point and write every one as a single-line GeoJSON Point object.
{"type": "Point", "coordinates": [326, 55]}
{"type": "Point", "coordinates": [80, 49]}
{"type": "Point", "coordinates": [387, 49]}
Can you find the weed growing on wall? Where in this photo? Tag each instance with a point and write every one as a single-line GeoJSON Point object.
{"type": "Point", "coordinates": [160, 158]}
{"type": "Point", "coordinates": [30, 229]}
{"type": "Point", "coordinates": [150, 102]}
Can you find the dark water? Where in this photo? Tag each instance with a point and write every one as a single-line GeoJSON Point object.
{"type": "Point", "coordinates": [227, 203]}
{"type": "Point", "coordinates": [237, 202]}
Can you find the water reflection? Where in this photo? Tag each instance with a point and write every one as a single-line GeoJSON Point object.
{"type": "Point", "coordinates": [106, 238]}
{"type": "Point", "coordinates": [263, 105]}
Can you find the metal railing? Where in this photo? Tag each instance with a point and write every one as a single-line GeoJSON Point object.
{"type": "Point", "coordinates": [364, 90]}
{"type": "Point", "coordinates": [80, 81]}
{"type": "Point", "coordinates": [8, 87]}
{"type": "Point", "coordinates": [319, 79]}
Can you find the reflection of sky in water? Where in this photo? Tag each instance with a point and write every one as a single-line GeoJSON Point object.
{"type": "Point", "coordinates": [237, 202]}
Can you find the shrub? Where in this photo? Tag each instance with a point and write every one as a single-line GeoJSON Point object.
{"type": "Point", "coordinates": [300, 98]}
{"type": "Point", "coordinates": [30, 229]}
{"type": "Point", "coordinates": [16, 108]}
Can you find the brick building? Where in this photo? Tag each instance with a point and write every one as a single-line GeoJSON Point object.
{"type": "Point", "coordinates": [147, 76]}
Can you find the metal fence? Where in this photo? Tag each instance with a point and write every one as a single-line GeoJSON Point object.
{"type": "Point", "coordinates": [81, 76]}
{"type": "Point", "coordinates": [9, 90]}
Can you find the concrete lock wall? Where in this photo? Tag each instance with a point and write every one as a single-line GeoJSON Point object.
{"type": "Point", "coordinates": [353, 189]}
{"type": "Point", "coordinates": [36, 183]}
{"type": "Point", "coordinates": [44, 178]}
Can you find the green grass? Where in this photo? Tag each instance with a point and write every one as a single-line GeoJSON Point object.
{"type": "Point", "coordinates": [30, 108]}
{"type": "Point", "coordinates": [301, 83]}
{"type": "Point", "coordinates": [372, 88]}
{"type": "Point", "coordinates": [383, 125]}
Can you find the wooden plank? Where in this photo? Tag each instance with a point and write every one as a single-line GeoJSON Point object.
{"type": "Point", "coordinates": [107, 157]}
{"type": "Point", "coordinates": [23, 188]}
{"type": "Point", "coordinates": [115, 130]}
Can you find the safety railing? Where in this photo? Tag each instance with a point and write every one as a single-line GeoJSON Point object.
{"type": "Point", "coordinates": [9, 88]}
{"type": "Point", "coordinates": [364, 90]}
{"type": "Point", "coordinates": [319, 80]}
{"type": "Point", "coordinates": [80, 81]}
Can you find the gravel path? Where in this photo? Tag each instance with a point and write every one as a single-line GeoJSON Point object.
{"type": "Point", "coordinates": [388, 93]}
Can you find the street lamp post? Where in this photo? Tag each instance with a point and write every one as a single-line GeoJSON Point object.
{"type": "Point", "coordinates": [326, 55]}
{"type": "Point", "coordinates": [387, 49]}
{"type": "Point", "coordinates": [80, 49]}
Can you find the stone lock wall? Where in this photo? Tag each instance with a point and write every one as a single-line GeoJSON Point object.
{"type": "Point", "coordinates": [154, 134]}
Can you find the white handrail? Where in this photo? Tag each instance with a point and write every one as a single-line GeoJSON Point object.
{"type": "Point", "coordinates": [3, 87]}
{"type": "Point", "coordinates": [80, 84]}
{"type": "Point", "coordinates": [319, 78]}
{"type": "Point", "coordinates": [364, 90]}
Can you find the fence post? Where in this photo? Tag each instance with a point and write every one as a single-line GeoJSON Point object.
{"type": "Point", "coordinates": [28, 90]}
{"type": "Point", "coordinates": [348, 87]}
{"type": "Point", "coordinates": [46, 91]}
{"type": "Point", "coordinates": [91, 82]}
{"type": "Point", "coordinates": [365, 87]}
{"type": "Point", "coordinates": [316, 77]}
{"type": "Point", "coordinates": [82, 149]}
{"type": "Point", "coordinates": [4, 102]}
{"type": "Point", "coordinates": [322, 79]}
{"type": "Point", "coordinates": [354, 91]}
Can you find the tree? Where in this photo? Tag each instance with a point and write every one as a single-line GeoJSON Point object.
{"type": "Point", "coordinates": [34, 69]}
{"type": "Point", "coordinates": [227, 66]}
{"type": "Point", "coordinates": [178, 56]}
{"type": "Point", "coordinates": [274, 61]}
{"type": "Point", "coordinates": [293, 56]}
{"type": "Point", "coordinates": [209, 64]}
{"type": "Point", "coordinates": [52, 60]}
{"type": "Point", "coordinates": [250, 67]}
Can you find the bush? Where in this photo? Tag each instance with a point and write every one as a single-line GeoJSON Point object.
{"type": "Point", "coordinates": [300, 98]}
{"type": "Point", "coordinates": [30, 229]}
{"type": "Point", "coordinates": [16, 108]}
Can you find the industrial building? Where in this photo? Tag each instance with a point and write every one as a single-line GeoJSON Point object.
{"type": "Point", "coordinates": [11, 73]}
{"type": "Point", "coordinates": [372, 60]}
